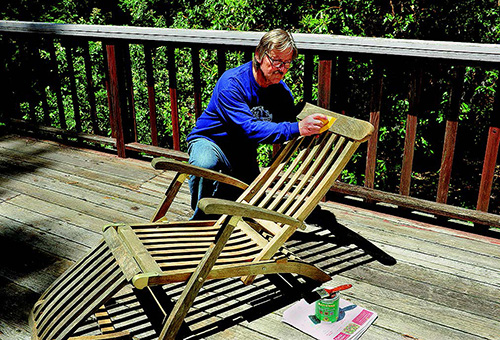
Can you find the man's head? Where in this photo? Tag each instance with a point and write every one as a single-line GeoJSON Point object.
{"type": "Point", "coordinates": [273, 56]}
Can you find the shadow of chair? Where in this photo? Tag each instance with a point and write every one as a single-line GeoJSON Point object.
{"type": "Point", "coordinates": [181, 257]}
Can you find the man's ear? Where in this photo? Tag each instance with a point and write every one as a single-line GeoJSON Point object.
{"type": "Point", "coordinates": [257, 58]}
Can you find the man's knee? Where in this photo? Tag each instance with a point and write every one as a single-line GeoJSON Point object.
{"type": "Point", "coordinates": [203, 162]}
{"type": "Point", "coordinates": [201, 153]}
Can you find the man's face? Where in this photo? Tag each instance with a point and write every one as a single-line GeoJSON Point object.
{"type": "Point", "coordinates": [274, 64]}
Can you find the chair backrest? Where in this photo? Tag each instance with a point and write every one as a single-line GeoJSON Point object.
{"type": "Point", "coordinates": [303, 172]}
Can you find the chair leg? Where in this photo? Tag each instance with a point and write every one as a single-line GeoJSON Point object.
{"type": "Point", "coordinates": [182, 306]}
{"type": "Point", "coordinates": [155, 302]}
{"type": "Point", "coordinates": [196, 281]}
{"type": "Point", "coordinates": [170, 194]}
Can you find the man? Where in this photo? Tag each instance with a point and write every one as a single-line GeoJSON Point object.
{"type": "Point", "coordinates": [250, 104]}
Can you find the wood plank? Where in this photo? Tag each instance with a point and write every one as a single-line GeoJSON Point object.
{"type": "Point", "coordinates": [99, 181]}
{"type": "Point", "coordinates": [438, 262]}
{"type": "Point", "coordinates": [50, 219]}
{"type": "Point", "coordinates": [7, 331]}
{"type": "Point", "coordinates": [15, 304]}
{"type": "Point", "coordinates": [439, 251]}
{"type": "Point", "coordinates": [448, 323]}
{"type": "Point", "coordinates": [454, 292]}
{"type": "Point", "coordinates": [101, 172]}
{"type": "Point", "coordinates": [417, 204]}
{"type": "Point", "coordinates": [77, 205]}
{"type": "Point", "coordinates": [19, 238]}
{"type": "Point", "coordinates": [356, 218]}
{"type": "Point", "coordinates": [82, 189]}
{"type": "Point", "coordinates": [29, 149]}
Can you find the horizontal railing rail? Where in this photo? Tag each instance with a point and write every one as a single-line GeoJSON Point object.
{"type": "Point", "coordinates": [460, 51]}
{"type": "Point", "coordinates": [79, 83]}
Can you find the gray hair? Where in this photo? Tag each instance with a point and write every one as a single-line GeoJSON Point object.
{"type": "Point", "coordinates": [277, 39]}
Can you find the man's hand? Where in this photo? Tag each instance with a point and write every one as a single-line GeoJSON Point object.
{"type": "Point", "coordinates": [312, 124]}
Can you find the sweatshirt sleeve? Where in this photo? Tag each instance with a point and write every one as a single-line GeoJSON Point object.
{"type": "Point", "coordinates": [237, 115]}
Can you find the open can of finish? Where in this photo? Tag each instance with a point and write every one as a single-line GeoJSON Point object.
{"type": "Point", "coordinates": [327, 309]}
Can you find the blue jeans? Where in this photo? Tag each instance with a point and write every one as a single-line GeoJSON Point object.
{"type": "Point", "coordinates": [205, 154]}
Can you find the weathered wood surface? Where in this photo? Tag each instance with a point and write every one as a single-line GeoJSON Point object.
{"type": "Point", "coordinates": [471, 52]}
{"type": "Point", "coordinates": [55, 200]}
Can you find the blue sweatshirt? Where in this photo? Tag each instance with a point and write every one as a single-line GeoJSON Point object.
{"type": "Point", "coordinates": [241, 114]}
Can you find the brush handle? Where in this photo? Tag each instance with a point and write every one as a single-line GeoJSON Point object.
{"type": "Point", "coordinates": [338, 289]}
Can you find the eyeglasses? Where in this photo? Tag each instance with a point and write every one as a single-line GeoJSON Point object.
{"type": "Point", "coordinates": [278, 63]}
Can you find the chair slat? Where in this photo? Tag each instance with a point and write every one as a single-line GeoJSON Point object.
{"type": "Point", "coordinates": [169, 249]}
{"type": "Point", "coordinates": [65, 280]}
{"type": "Point", "coordinates": [66, 285]}
{"type": "Point", "coordinates": [194, 263]}
{"type": "Point", "coordinates": [281, 179]}
{"type": "Point", "coordinates": [317, 178]}
{"type": "Point", "coordinates": [303, 175]}
{"type": "Point", "coordinates": [346, 155]}
{"type": "Point", "coordinates": [270, 172]}
{"type": "Point", "coordinates": [89, 288]}
{"type": "Point", "coordinates": [190, 254]}
{"type": "Point", "coordinates": [93, 298]}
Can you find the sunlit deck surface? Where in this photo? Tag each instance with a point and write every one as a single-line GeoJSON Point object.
{"type": "Point", "coordinates": [54, 201]}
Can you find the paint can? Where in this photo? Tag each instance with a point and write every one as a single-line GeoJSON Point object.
{"type": "Point", "coordinates": [327, 309]}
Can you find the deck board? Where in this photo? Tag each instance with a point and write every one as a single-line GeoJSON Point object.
{"type": "Point", "coordinates": [54, 201]}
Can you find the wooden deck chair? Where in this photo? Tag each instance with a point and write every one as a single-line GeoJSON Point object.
{"type": "Point", "coordinates": [244, 242]}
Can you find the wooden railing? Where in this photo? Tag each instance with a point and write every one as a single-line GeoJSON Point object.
{"type": "Point", "coordinates": [37, 47]}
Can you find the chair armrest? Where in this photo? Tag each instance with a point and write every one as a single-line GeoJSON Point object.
{"type": "Point", "coordinates": [224, 207]}
{"type": "Point", "coordinates": [185, 168]}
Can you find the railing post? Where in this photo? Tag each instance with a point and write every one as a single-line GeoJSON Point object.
{"type": "Point", "coordinates": [324, 83]}
{"type": "Point", "coordinates": [151, 94]}
{"type": "Point", "coordinates": [172, 79]}
{"type": "Point", "coordinates": [7, 90]}
{"type": "Point", "coordinates": [5, 111]}
{"type": "Point", "coordinates": [122, 120]}
{"type": "Point", "coordinates": [339, 88]}
{"type": "Point", "coordinates": [90, 89]}
{"type": "Point", "coordinates": [490, 161]}
{"type": "Point", "coordinates": [450, 136]}
{"type": "Point", "coordinates": [490, 158]}
{"type": "Point", "coordinates": [55, 83]}
{"type": "Point", "coordinates": [411, 132]}
{"type": "Point", "coordinates": [308, 76]}
{"type": "Point", "coordinates": [221, 61]}
{"type": "Point", "coordinates": [375, 106]}
{"type": "Point", "coordinates": [196, 81]}
{"type": "Point", "coordinates": [74, 94]}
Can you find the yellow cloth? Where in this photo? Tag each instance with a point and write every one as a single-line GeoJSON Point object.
{"type": "Point", "coordinates": [325, 127]}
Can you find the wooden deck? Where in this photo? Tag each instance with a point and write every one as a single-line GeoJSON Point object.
{"type": "Point", "coordinates": [54, 201]}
